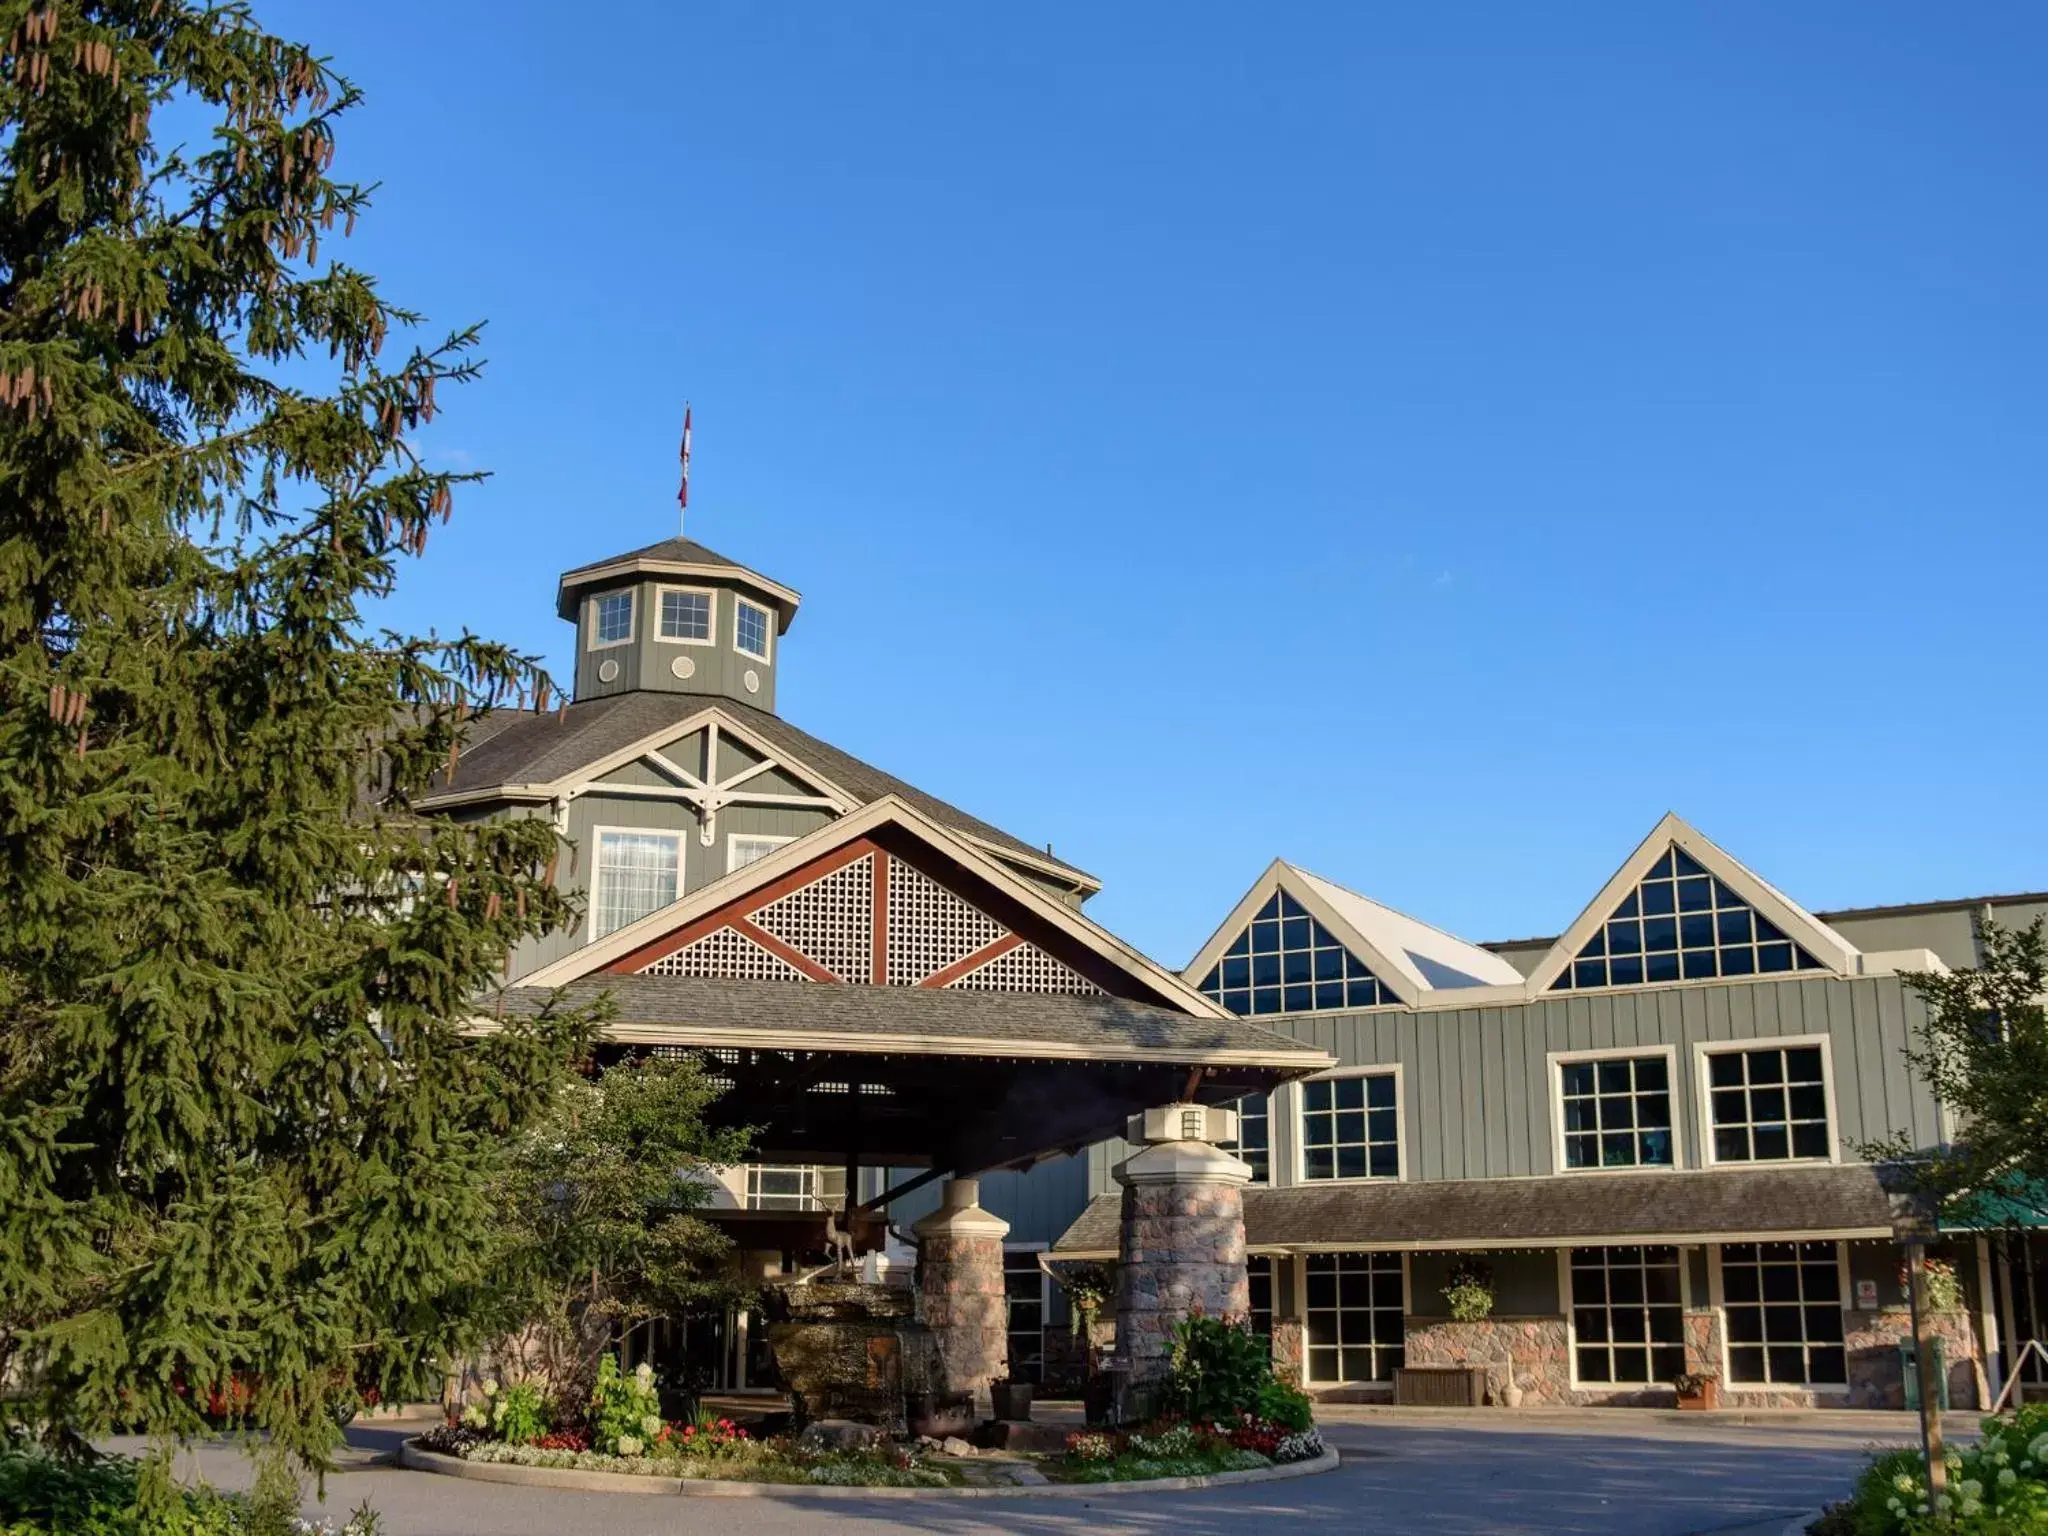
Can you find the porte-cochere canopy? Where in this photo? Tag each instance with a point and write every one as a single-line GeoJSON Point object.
{"type": "Point", "coordinates": [884, 991]}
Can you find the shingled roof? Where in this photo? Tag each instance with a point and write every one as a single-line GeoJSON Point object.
{"type": "Point", "coordinates": [818, 1016]}
{"type": "Point", "coordinates": [1725, 1204]}
{"type": "Point", "coordinates": [676, 551]}
{"type": "Point", "coordinates": [531, 748]}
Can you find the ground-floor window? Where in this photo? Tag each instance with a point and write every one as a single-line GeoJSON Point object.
{"type": "Point", "coordinates": [1783, 1303]}
{"type": "Point", "coordinates": [1354, 1310]}
{"type": "Point", "coordinates": [1258, 1269]}
{"type": "Point", "coordinates": [1024, 1286]}
{"type": "Point", "coordinates": [793, 1187]}
{"type": "Point", "coordinates": [1628, 1315]}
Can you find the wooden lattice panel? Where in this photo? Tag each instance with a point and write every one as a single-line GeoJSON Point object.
{"type": "Point", "coordinates": [930, 928]}
{"type": "Point", "coordinates": [1025, 969]}
{"type": "Point", "coordinates": [830, 921]}
{"type": "Point", "coordinates": [728, 953]}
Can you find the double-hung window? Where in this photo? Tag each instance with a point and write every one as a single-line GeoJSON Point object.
{"type": "Point", "coordinates": [751, 630]}
{"type": "Point", "coordinates": [637, 873]}
{"type": "Point", "coordinates": [1350, 1127]}
{"type": "Point", "coordinates": [611, 619]}
{"type": "Point", "coordinates": [1769, 1104]}
{"type": "Point", "coordinates": [685, 616]}
{"type": "Point", "coordinates": [1615, 1111]}
{"type": "Point", "coordinates": [742, 849]}
{"type": "Point", "coordinates": [1252, 1145]}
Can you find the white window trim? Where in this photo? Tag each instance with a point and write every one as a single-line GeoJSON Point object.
{"type": "Point", "coordinates": [1301, 1305]}
{"type": "Point", "coordinates": [711, 629]}
{"type": "Point", "coordinates": [767, 657]}
{"type": "Point", "coordinates": [1273, 1112]}
{"type": "Point", "coordinates": [1553, 1067]}
{"type": "Point", "coordinates": [750, 837]}
{"type": "Point", "coordinates": [632, 595]}
{"type": "Point", "coordinates": [1825, 1388]}
{"type": "Point", "coordinates": [1299, 1123]}
{"type": "Point", "coordinates": [1571, 1317]}
{"type": "Point", "coordinates": [597, 833]}
{"type": "Point", "coordinates": [1704, 1094]}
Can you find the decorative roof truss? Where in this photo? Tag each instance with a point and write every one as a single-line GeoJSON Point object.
{"type": "Point", "coordinates": [863, 915]}
{"type": "Point", "coordinates": [710, 792]}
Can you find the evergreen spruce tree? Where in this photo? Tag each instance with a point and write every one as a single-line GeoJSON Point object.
{"type": "Point", "coordinates": [245, 1136]}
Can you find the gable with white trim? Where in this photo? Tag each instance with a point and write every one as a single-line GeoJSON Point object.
{"type": "Point", "coordinates": [1682, 909]}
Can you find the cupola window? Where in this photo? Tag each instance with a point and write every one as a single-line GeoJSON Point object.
{"type": "Point", "coordinates": [1681, 924]}
{"type": "Point", "coordinates": [612, 618]}
{"type": "Point", "coordinates": [751, 631]}
{"type": "Point", "coordinates": [685, 616]}
{"type": "Point", "coordinates": [1287, 962]}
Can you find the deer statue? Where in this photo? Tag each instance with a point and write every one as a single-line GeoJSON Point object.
{"type": "Point", "coordinates": [838, 1239]}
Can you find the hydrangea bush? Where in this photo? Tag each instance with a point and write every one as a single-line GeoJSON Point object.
{"type": "Point", "coordinates": [1997, 1487]}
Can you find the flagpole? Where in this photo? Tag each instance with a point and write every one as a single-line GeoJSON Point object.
{"type": "Point", "coordinates": [683, 491]}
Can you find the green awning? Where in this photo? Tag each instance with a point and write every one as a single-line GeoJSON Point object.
{"type": "Point", "coordinates": [2016, 1202]}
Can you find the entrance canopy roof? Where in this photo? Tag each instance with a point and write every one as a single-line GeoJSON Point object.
{"type": "Point", "coordinates": [924, 1077]}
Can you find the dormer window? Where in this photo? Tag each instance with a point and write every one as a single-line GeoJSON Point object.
{"type": "Point", "coordinates": [685, 616]}
{"type": "Point", "coordinates": [611, 619]}
{"type": "Point", "coordinates": [751, 630]}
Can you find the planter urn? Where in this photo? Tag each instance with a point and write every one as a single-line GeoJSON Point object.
{"type": "Point", "coordinates": [1707, 1397]}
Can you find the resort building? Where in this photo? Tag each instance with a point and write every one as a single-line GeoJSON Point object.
{"type": "Point", "coordinates": [1644, 1132]}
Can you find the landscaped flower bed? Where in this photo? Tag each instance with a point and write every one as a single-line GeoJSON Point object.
{"type": "Point", "coordinates": [1997, 1487]}
{"type": "Point", "coordinates": [1229, 1415]}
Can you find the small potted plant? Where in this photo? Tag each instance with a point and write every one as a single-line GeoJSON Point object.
{"type": "Point", "coordinates": [1697, 1389]}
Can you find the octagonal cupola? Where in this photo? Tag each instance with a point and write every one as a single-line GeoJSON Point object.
{"type": "Point", "coordinates": [676, 617]}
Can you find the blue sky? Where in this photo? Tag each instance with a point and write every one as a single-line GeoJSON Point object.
{"type": "Point", "coordinates": [1423, 442]}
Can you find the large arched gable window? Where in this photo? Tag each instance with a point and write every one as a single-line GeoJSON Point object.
{"type": "Point", "coordinates": [1287, 962]}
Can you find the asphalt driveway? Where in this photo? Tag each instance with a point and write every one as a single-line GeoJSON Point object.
{"type": "Point", "coordinates": [1599, 1473]}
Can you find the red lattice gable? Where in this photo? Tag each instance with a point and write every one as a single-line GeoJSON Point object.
{"type": "Point", "coordinates": [864, 915]}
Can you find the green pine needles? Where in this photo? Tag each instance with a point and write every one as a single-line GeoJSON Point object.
{"type": "Point", "coordinates": [248, 1125]}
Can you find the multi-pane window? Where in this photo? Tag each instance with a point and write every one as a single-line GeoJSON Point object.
{"type": "Point", "coordinates": [1287, 962]}
{"type": "Point", "coordinates": [612, 622]}
{"type": "Point", "coordinates": [792, 1187]}
{"type": "Point", "coordinates": [685, 615]}
{"type": "Point", "coordinates": [636, 874]}
{"type": "Point", "coordinates": [750, 631]}
{"type": "Point", "coordinates": [1024, 1288]}
{"type": "Point", "coordinates": [741, 850]}
{"type": "Point", "coordinates": [1252, 1145]}
{"type": "Point", "coordinates": [1681, 924]}
{"type": "Point", "coordinates": [1783, 1303]}
{"type": "Point", "coordinates": [1768, 1105]}
{"type": "Point", "coordinates": [1353, 1313]}
{"type": "Point", "coordinates": [1258, 1270]}
{"type": "Point", "coordinates": [1350, 1128]}
{"type": "Point", "coordinates": [1617, 1112]}
{"type": "Point", "coordinates": [1628, 1315]}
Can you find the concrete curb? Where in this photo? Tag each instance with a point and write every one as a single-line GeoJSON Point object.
{"type": "Point", "coordinates": [577, 1480]}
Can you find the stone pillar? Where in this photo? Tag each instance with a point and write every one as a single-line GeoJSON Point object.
{"type": "Point", "coordinates": [960, 1294]}
{"type": "Point", "coordinates": [1181, 1243]}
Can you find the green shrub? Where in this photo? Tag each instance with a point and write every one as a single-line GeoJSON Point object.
{"type": "Point", "coordinates": [1287, 1406]}
{"type": "Point", "coordinates": [41, 1495]}
{"type": "Point", "coordinates": [625, 1410]}
{"type": "Point", "coordinates": [519, 1414]}
{"type": "Point", "coordinates": [1997, 1487]}
{"type": "Point", "coordinates": [1219, 1369]}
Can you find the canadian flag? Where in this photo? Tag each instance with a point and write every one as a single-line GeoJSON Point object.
{"type": "Point", "coordinates": [683, 495]}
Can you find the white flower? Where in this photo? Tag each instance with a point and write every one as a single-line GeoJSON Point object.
{"type": "Point", "coordinates": [491, 1387]}
{"type": "Point", "coordinates": [1895, 1506]}
{"type": "Point", "coordinates": [2007, 1477]}
{"type": "Point", "coordinates": [644, 1372]}
{"type": "Point", "coordinates": [1904, 1483]}
{"type": "Point", "coordinates": [651, 1425]}
{"type": "Point", "coordinates": [1972, 1489]}
{"type": "Point", "coordinates": [629, 1445]}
